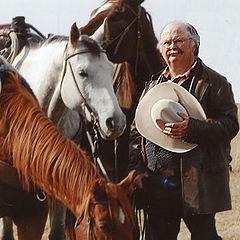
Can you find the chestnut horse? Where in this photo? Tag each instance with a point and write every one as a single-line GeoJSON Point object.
{"type": "Point", "coordinates": [125, 30]}
{"type": "Point", "coordinates": [31, 143]}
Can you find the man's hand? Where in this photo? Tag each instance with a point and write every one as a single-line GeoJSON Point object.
{"type": "Point", "coordinates": [138, 179]}
{"type": "Point", "coordinates": [177, 130]}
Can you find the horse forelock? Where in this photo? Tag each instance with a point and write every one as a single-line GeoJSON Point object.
{"type": "Point", "coordinates": [124, 85]}
{"type": "Point", "coordinates": [91, 44]}
{"type": "Point", "coordinates": [39, 151]}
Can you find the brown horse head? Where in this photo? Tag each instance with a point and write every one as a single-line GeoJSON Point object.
{"type": "Point", "coordinates": [126, 23]}
{"type": "Point", "coordinates": [110, 214]}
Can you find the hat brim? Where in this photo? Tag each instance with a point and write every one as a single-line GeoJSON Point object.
{"type": "Point", "coordinates": [146, 126]}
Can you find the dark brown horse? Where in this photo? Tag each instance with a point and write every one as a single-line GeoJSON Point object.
{"type": "Point", "coordinates": [32, 144]}
{"type": "Point", "coordinates": [125, 30]}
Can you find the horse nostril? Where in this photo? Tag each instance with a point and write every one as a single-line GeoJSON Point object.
{"type": "Point", "coordinates": [110, 124]}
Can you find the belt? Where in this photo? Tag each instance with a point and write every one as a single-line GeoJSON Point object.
{"type": "Point", "coordinates": [164, 172]}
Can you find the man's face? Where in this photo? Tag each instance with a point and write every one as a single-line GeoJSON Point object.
{"type": "Point", "coordinates": [176, 46]}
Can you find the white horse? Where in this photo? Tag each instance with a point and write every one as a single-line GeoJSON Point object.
{"type": "Point", "coordinates": [72, 76]}
{"type": "Point", "coordinates": [73, 73]}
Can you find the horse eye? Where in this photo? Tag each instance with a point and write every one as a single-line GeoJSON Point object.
{"type": "Point", "coordinates": [106, 228]}
{"type": "Point", "coordinates": [83, 73]}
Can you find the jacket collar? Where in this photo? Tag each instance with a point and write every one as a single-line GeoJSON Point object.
{"type": "Point", "coordinates": [200, 81]}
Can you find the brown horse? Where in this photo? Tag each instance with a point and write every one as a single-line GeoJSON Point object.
{"type": "Point", "coordinates": [32, 144]}
{"type": "Point", "coordinates": [125, 30]}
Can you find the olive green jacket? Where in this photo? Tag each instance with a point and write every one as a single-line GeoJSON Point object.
{"type": "Point", "coordinates": [205, 169]}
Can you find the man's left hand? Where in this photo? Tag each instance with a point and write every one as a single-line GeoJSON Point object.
{"type": "Point", "coordinates": [177, 130]}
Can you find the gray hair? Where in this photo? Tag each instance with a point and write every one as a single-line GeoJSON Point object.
{"type": "Point", "coordinates": [193, 34]}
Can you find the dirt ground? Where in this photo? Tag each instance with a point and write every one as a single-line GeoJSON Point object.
{"type": "Point", "coordinates": [228, 223]}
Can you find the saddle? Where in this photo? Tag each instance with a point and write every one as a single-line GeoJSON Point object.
{"type": "Point", "coordinates": [20, 34]}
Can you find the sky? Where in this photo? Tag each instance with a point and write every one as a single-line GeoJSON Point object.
{"type": "Point", "coordinates": [217, 22]}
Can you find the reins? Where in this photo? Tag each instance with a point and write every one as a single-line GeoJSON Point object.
{"type": "Point", "coordinates": [120, 38]}
{"type": "Point", "coordinates": [14, 43]}
{"type": "Point", "coordinates": [90, 221]}
{"type": "Point", "coordinates": [94, 121]}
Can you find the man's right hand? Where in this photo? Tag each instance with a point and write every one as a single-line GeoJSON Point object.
{"type": "Point", "coordinates": [138, 179]}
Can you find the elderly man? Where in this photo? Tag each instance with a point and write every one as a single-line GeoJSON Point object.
{"type": "Point", "coordinates": [191, 185]}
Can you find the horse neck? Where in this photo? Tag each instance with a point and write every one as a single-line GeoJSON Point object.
{"type": "Point", "coordinates": [42, 67]}
{"type": "Point", "coordinates": [148, 63]}
{"type": "Point", "coordinates": [50, 59]}
{"type": "Point", "coordinates": [41, 154]}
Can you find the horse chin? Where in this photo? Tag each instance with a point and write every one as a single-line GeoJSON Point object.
{"type": "Point", "coordinates": [109, 135]}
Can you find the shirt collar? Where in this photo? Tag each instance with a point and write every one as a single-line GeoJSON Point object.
{"type": "Point", "coordinates": [181, 78]}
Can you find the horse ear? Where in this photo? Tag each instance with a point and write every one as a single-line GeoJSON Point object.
{"type": "Point", "coordinates": [127, 184]}
{"type": "Point", "coordinates": [74, 34]}
{"type": "Point", "coordinates": [99, 193]}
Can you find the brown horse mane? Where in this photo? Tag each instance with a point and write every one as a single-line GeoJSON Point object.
{"type": "Point", "coordinates": [124, 85]}
{"type": "Point", "coordinates": [38, 150]}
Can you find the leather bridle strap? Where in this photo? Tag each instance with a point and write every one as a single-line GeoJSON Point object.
{"type": "Point", "coordinates": [84, 102]}
{"type": "Point", "coordinates": [90, 233]}
{"type": "Point", "coordinates": [122, 34]}
{"type": "Point", "coordinates": [94, 119]}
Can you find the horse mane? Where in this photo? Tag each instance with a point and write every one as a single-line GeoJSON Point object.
{"type": "Point", "coordinates": [38, 150]}
{"type": "Point", "coordinates": [124, 85]}
{"type": "Point", "coordinates": [90, 43]}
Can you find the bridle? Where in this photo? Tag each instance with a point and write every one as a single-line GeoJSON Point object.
{"type": "Point", "coordinates": [122, 34]}
{"type": "Point", "coordinates": [85, 106]}
{"type": "Point", "coordinates": [90, 220]}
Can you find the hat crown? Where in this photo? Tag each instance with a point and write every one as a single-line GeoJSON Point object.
{"type": "Point", "coordinates": [166, 110]}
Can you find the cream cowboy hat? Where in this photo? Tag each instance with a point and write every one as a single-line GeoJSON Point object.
{"type": "Point", "coordinates": [160, 105]}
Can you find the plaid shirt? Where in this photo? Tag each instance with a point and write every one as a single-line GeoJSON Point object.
{"type": "Point", "coordinates": [180, 78]}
